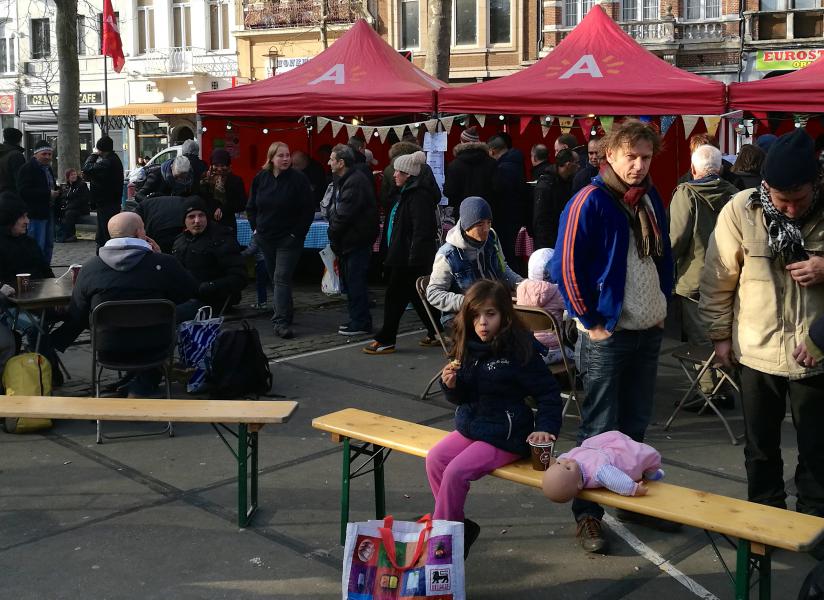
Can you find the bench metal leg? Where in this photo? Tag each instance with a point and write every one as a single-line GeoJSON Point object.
{"type": "Point", "coordinates": [344, 490]}
{"type": "Point", "coordinates": [247, 469]}
{"type": "Point", "coordinates": [377, 456]}
{"type": "Point", "coordinates": [747, 561]}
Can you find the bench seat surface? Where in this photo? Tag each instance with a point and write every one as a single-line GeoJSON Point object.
{"type": "Point", "coordinates": [730, 516]}
{"type": "Point", "coordinates": [161, 410]}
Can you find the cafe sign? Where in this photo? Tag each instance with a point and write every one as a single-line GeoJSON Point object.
{"type": "Point", "coordinates": [786, 60]}
{"type": "Point", "coordinates": [52, 100]}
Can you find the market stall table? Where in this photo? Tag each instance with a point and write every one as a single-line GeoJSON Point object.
{"type": "Point", "coordinates": [52, 292]}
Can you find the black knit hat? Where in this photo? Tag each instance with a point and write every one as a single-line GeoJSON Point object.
{"type": "Point", "coordinates": [11, 208]}
{"type": "Point", "coordinates": [220, 156]}
{"type": "Point", "coordinates": [12, 135]}
{"type": "Point", "coordinates": [193, 203]}
{"type": "Point", "coordinates": [791, 161]}
{"type": "Point", "coordinates": [105, 144]}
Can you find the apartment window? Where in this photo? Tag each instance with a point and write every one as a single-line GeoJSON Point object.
{"type": "Point", "coordinates": [410, 24]}
{"type": "Point", "coordinates": [466, 22]}
{"type": "Point", "coordinates": [575, 10]}
{"type": "Point", "coordinates": [788, 4]}
{"type": "Point", "coordinates": [8, 64]}
{"type": "Point", "coordinates": [702, 9]}
{"type": "Point", "coordinates": [640, 10]}
{"type": "Point", "coordinates": [500, 16]}
{"type": "Point", "coordinates": [145, 29]}
{"type": "Point", "coordinates": [219, 24]}
{"type": "Point", "coordinates": [182, 24]}
{"type": "Point", "coordinates": [100, 29]}
{"type": "Point", "coordinates": [81, 35]}
{"type": "Point", "coordinates": [40, 38]}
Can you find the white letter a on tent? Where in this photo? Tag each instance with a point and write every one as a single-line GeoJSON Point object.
{"type": "Point", "coordinates": [336, 74]}
{"type": "Point", "coordinates": [586, 65]}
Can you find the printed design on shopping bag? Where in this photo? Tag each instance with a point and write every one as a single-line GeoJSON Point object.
{"type": "Point", "coordinates": [438, 579]}
{"type": "Point", "coordinates": [440, 550]}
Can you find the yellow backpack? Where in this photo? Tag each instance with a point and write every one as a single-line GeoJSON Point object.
{"type": "Point", "coordinates": [27, 374]}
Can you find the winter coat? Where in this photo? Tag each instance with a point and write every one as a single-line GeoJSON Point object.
{"type": "Point", "coordinates": [413, 226]}
{"type": "Point", "coordinates": [458, 265]}
{"type": "Point", "coordinates": [510, 195]}
{"type": "Point", "coordinates": [12, 157]}
{"type": "Point", "coordinates": [389, 191]}
{"type": "Point", "coordinates": [470, 173]}
{"type": "Point", "coordinates": [213, 258]}
{"type": "Point", "coordinates": [105, 174]}
{"type": "Point", "coordinates": [317, 181]}
{"type": "Point", "coordinates": [161, 182]}
{"type": "Point", "coordinates": [550, 197]}
{"type": "Point", "coordinates": [353, 217]}
{"type": "Point", "coordinates": [34, 189]}
{"type": "Point", "coordinates": [749, 296]}
{"type": "Point", "coordinates": [540, 169]}
{"type": "Point", "coordinates": [693, 212]}
{"type": "Point", "coordinates": [490, 392]}
{"type": "Point", "coordinates": [745, 180]}
{"type": "Point", "coordinates": [232, 200]}
{"type": "Point", "coordinates": [199, 169]}
{"type": "Point", "coordinates": [281, 206]}
{"type": "Point", "coordinates": [542, 294]}
{"type": "Point", "coordinates": [583, 178]}
{"type": "Point", "coordinates": [163, 219]}
{"type": "Point", "coordinates": [76, 198]}
{"type": "Point", "coordinates": [20, 254]}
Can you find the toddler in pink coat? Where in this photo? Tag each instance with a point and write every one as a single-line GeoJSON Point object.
{"type": "Point", "coordinates": [538, 291]}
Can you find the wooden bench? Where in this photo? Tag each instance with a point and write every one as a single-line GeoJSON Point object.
{"type": "Point", "coordinates": [249, 416]}
{"type": "Point", "coordinates": [758, 528]}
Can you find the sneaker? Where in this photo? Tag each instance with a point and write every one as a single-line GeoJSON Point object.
{"type": "Point", "coordinates": [378, 348]}
{"type": "Point", "coordinates": [627, 516]}
{"type": "Point", "coordinates": [471, 532]}
{"type": "Point", "coordinates": [350, 330]}
{"type": "Point", "coordinates": [591, 534]}
{"type": "Point", "coordinates": [429, 342]}
{"type": "Point", "coordinates": [284, 332]}
{"type": "Point", "coordinates": [259, 306]}
{"type": "Point", "coordinates": [343, 326]}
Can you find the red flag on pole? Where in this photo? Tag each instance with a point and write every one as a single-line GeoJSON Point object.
{"type": "Point", "coordinates": [112, 44]}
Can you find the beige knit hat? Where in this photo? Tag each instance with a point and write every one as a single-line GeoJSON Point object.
{"type": "Point", "coordinates": [410, 163]}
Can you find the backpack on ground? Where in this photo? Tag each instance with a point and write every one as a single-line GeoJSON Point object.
{"type": "Point", "coordinates": [27, 374]}
{"type": "Point", "coordinates": [238, 368]}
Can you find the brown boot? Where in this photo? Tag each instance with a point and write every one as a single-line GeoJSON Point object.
{"type": "Point", "coordinates": [591, 534]}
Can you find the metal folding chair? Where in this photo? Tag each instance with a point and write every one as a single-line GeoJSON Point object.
{"type": "Point", "coordinates": [690, 356]}
{"type": "Point", "coordinates": [120, 319]}
{"type": "Point", "coordinates": [421, 284]}
{"type": "Point", "coordinates": [538, 319]}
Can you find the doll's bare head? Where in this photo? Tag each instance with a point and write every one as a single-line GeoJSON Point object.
{"type": "Point", "coordinates": [562, 480]}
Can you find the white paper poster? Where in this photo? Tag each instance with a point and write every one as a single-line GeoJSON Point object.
{"type": "Point", "coordinates": [434, 144]}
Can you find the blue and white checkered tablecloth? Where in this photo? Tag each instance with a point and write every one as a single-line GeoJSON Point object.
{"type": "Point", "coordinates": [317, 237]}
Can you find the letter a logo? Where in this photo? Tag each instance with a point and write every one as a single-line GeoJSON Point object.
{"type": "Point", "coordinates": [336, 74]}
{"type": "Point", "coordinates": [586, 65]}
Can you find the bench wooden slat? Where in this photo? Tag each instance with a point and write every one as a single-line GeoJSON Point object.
{"type": "Point", "coordinates": [730, 516]}
{"type": "Point", "coordinates": [161, 410]}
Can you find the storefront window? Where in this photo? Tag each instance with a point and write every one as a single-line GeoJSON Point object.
{"type": "Point", "coordinates": [152, 137]}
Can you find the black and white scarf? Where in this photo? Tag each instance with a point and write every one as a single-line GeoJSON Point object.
{"type": "Point", "coordinates": [785, 238]}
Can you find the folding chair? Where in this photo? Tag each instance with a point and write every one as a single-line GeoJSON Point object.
{"type": "Point", "coordinates": [538, 319]}
{"type": "Point", "coordinates": [421, 283]}
{"type": "Point", "coordinates": [119, 320]}
{"type": "Point", "coordinates": [690, 356]}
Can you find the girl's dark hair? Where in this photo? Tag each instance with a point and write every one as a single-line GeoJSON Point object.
{"type": "Point", "coordinates": [749, 159]}
{"type": "Point", "coordinates": [513, 338]}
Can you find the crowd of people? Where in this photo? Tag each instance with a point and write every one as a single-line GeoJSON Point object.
{"type": "Point", "coordinates": [740, 246]}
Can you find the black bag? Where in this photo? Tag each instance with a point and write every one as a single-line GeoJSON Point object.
{"type": "Point", "coordinates": [238, 367]}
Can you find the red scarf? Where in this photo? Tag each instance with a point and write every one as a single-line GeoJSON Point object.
{"type": "Point", "coordinates": [644, 224]}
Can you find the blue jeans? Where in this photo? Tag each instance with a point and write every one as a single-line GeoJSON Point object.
{"type": "Point", "coordinates": [42, 231]}
{"type": "Point", "coordinates": [619, 386]}
{"type": "Point", "coordinates": [354, 267]}
{"type": "Point", "coordinates": [281, 256]}
{"type": "Point", "coordinates": [261, 280]}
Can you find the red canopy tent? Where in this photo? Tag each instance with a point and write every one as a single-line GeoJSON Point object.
{"type": "Point", "coordinates": [596, 69]}
{"type": "Point", "coordinates": [359, 74]}
{"type": "Point", "coordinates": [800, 91]}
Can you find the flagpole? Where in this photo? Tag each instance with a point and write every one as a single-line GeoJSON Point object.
{"type": "Point", "coordinates": [106, 93]}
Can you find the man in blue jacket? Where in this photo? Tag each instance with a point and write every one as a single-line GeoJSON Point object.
{"type": "Point", "coordinates": [613, 265]}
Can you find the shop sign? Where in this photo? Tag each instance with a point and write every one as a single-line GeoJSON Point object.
{"type": "Point", "coordinates": [786, 60]}
{"type": "Point", "coordinates": [287, 64]}
{"type": "Point", "coordinates": [6, 104]}
{"type": "Point", "coordinates": [51, 100]}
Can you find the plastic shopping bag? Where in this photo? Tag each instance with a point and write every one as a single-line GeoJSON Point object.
{"type": "Point", "coordinates": [194, 345]}
{"type": "Point", "coordinates": [410, 560]}
{"type": "Point", "coordinates": [330, 282]}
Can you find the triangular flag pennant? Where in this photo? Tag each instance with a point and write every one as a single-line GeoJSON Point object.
{"type": "Point", "coordinates": [399, 129]}
{"type": "Point", "coordinates": [432, 125]}
{"type": "Point", "coordinates": [545, 130]}
{"type": "Point", "coordinates": [666, 123]}
{"type": "Point", "coordinates": [690, 121]}
{"type": "Point", "coordinates": [525, 121]}
{"type": "Point", "coordinates": [352, 130]}
{"type": "Point", "coordinates": [645, 118]}
{"type": "Point", "coordinates": [586, 126]}
{"type": "Point", "coordinates": [336, 127]}
{"type": "Point", "coordinates": [383, 132]}
{"type": "Point", "coordinates": [447, 123]}
{"type": "Point", "coordinates": [368, 132]}
{"type": "Point", "coordinates": [801, 119]}
{"type": "Point", "coordinates": [711, 124]}
{"type": "Point", "coordinates": [481, 119]}
{"type": "Point", "coordinates": [548, 120]}
{"type": "Point", "coordinates": [322, 122]}
{"type": "Point", "coordinates": [566, 123]}
{"type": "Point", "coordinates": [606, 123]}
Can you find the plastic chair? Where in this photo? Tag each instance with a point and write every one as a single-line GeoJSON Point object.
{"type": "Point", "coordinates": [421, 283]}
{"type": "Point", "coordinates": [538, 319]}
{"type": "Point", "coordinates": [121, 319]}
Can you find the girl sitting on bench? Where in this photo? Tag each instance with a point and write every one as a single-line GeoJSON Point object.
{"type": "Point", "coordinates": [495, 366]}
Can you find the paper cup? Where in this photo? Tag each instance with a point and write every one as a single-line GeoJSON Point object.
{"type": "Point", "coordinates": [23, 282]}
{"type": "Point", "coordinates": [541, 455]}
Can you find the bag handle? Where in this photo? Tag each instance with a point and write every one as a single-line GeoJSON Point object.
{"type": "Point", "coordinates": [389, 541]}
{"type": "Point", "coordinates": [204, 313]}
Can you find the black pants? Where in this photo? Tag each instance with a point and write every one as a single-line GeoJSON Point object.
{"type": "Point", "coordinates": [400, 291]}
{"type": "Point", "coordinates": [764, 399]}
{"type": "Point", "coordinates": [70, 218]}
{"type": "Point", "coordinates": [104, 213]}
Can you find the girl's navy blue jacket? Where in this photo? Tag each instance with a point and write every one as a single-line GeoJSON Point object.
{"type": "Point", "coordinates": [490, 392]}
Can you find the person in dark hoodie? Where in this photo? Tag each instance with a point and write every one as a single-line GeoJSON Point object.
{"type": "Point", "coordinates": [411, 232]}
{"type": "Point", "coordinates": [104, 171]}
{"type": "Point", "coordinates": [36, 186]}
{"type": "Point", "coordinates": [129, 266]}
{"type": "Point", "coordinates": [12, 157]}
{"type": "Point", "coordinates": [509, 197]}
{"type": "Point", "coordinates": [280, 211]}
{"type": "Point", "coordinates": [471, 172]}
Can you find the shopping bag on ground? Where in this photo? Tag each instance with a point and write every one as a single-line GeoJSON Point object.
{"type": "Point", "coordinates": [407, 560]}
{"type": "Point", "coordinates": [27, 374]}
{"type": "Point", "coordinates": [194, 345]}
{"type": "Point", "coordinates": [330, 282]}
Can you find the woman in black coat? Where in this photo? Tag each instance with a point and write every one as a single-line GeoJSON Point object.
{"type": "Point", "coordinates": [223, 190]}
{"type": "Point", "coordinates": [74, 203]}
{"type": "Point", "coordinates": [411, 231]}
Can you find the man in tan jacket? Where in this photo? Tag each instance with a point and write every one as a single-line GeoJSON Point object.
{"type": "Point", "coordinates": [761, 288]}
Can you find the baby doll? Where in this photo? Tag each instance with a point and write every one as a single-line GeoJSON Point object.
{"type": "Point", "coordinates": [611, 460]}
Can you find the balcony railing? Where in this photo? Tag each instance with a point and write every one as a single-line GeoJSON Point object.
{"type": "Point", "coordinates": [183, 61]}
{"type": "Point", "coordinates": [670, 31]}
{"type": "Point", "coordinates": [650, 31]}
{"type": "Point", "coordinates": [702, 31]}
{"type": "Point", "coordinates": [299, 13]}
